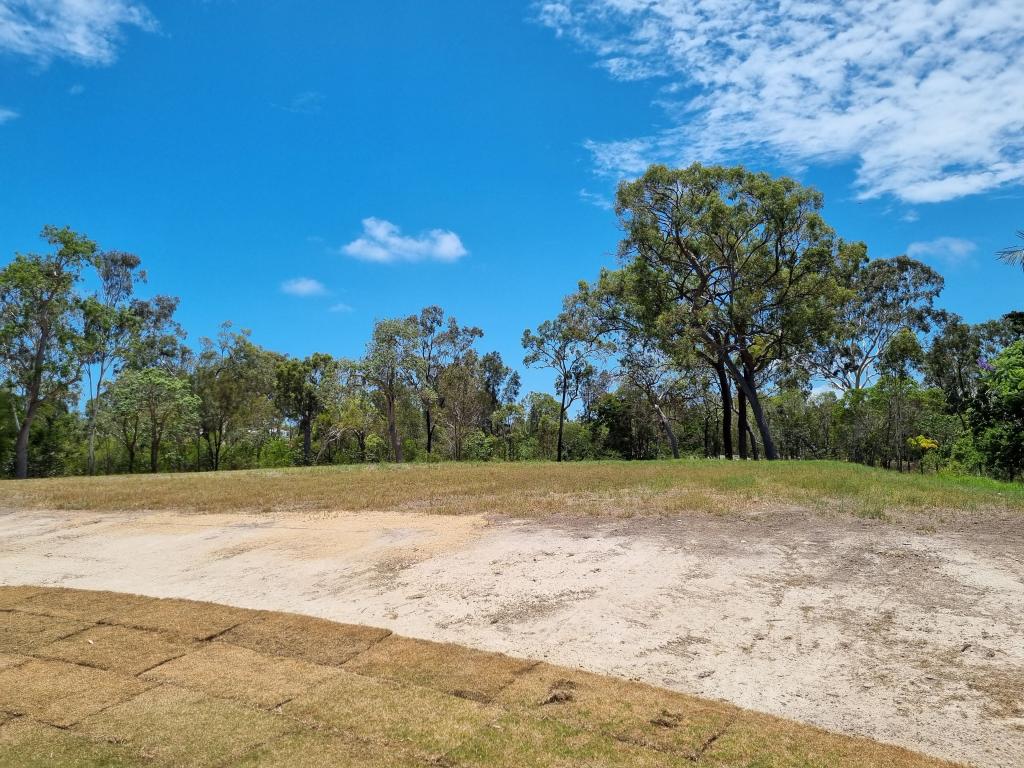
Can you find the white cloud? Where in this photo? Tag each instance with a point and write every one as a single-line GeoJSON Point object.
{"type": "Point", "coordinates": [305, 103]}
{"type": "Point", "coordinates": [341, 307]}
{"type": "Point", "coordinates": [303, 286]}
{"type": "Point", "coordinates": [383, 242]}
{"type": "Point", "coordinates": [76, 90]}
{"type": "Point", "coordinates": [86, 31]}
{"type": "Point", "coordinates": [7, 115]}
{"type": "Point", "coordinates": [596, 199]}
{"type": "Point", "coordinates": [927, 96]}
{"type": "Point", "coordinates": [949, 251]}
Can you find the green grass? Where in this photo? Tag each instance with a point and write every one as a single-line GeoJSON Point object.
{"type": "Point", "coordinates": [83, 695]}
{"type": "Point", "coordinates": [531, 489]}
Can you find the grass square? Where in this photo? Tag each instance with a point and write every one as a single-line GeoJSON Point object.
{"type": "Point", "coordinates": [62, 694]}
{"type": "Point", "coordinates": [640, 714]}
{"type": "Point", "coordinates": [119, 649]}
{"type": "Point", "coordinates": [178, 728]}
{"type": "Point", "coordinates": [11, 595]}
{"type": "Point", "coordinates": [320, 750]}
{"type": "Point", "coordinates": [529, 742]}
{"type": "Point", "coordinates": [11, 660]}
{"type": "Point", "coordinates": [457, 670]}
{"type": "Point", "coordinates": [230, 672]}
{"type": "Point", "coordinates": [304, 637]}
{"type": "Point", "coordinates": [23, 633]}
{"type": "Point", "coordinates": [81, 604]}
{"type": "Point", "coordinates": [199, 621]}
{"type": "Point", "coordinates": [419, 719]}
{"type": "Point", "coordinates": [27, 744]}
{"type": "Point", "coordinates": [770, 742]}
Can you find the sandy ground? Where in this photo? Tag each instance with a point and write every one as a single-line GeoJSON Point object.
{"type": "Point", "coordinates": [909, 636]}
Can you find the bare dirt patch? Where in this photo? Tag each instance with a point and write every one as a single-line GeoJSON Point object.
{"type": "Point", "coordinates": [909, 631]}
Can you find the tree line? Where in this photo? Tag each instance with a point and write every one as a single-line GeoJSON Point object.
{"type": "Point", "coordinates": [737, 324]}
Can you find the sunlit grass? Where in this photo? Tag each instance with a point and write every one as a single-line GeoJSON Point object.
{"type": "Point", "coordinates": [530, 489]}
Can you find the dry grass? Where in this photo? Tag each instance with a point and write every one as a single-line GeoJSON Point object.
{"type": "Point", "coordinates": [538, 489]}
{"type": "Point", "coordinates": [229, 672]}
{"type": "Point", "coordinates": [304, 637]}
{"type": "Point", "coordinates": [380, 701]}
{"type": "Point", "coordinates": [447, 668]}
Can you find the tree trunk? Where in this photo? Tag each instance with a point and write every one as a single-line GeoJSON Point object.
{"type": "Point", "coordinates": [154, 455]}
{"type": "Point", "coordinates": [561, 426]}
{"type": "Point", "coordinates": [396, 445]}
{"type": "Point", "coordinates": [726, 390]}
{"type": "Point", "coordinates": [673, 443]}
{"type": "Point", "coordinates": [430, 430]}
{"type": "Point", "coordinates": [307, 440]}
{"type": "Point", "coordinates": [21, 445]}
{"type": "Point", "coordinates": [746, 381]}
{"type": "Point", "coordinates": [741, 428]}
{"type": "Point", "coordinates": [753, 443]}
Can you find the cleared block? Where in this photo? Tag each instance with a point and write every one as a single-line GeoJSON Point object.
{"type": "Point", "coordinates": [119, 649]}
{"type": "Point", "coordinates": [178, 728]}
{"type": "Point", "coordinates": [471, 674]}
{"type": "Point", "coordinates": [26, 744]}
{"type": "Point", "coordinates": [651, 717]}
{"type": "Point", "coordinates": [237, 673]}
{"type": "Point", "coordinates": [304, 637]}
{"type": "Point", "coordinates": [317, 750]}
{"type": "Point", "coordinates": [62, 694]}
{"type": "Point", "coordinates": [199, 621]}
{"type": "Point", "coordinates": [26, 632]}
{"type": "Point", "coordinates": [419, 719]}
{"type": "Point", "coordinates": [761, 740]}
{"type": "Point", "coordinates": [81, 604]}
{"type": "Point", "coordinates": [11, 596]}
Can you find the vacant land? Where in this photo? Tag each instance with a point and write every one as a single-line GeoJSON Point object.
{"type": "Point", "coordinates": [103, 679]}
{"type": "Point", "coordinates": [864, 602]}
{"type": "Point", "coordinates": [531, 490]}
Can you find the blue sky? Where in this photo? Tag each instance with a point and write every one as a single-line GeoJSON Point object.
{"type": "Point", "coordinates": [302, 168]}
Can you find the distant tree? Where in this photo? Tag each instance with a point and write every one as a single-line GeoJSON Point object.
{"type": "Point", "coordinates": [233, 378]}
{"type": "Point", "coordinates": [739, 265]}
{"type": "Point", "coordinates": [463, 391]}
{"type": "Point", "coordinates": [304, 388]}
{"type": "Point", "coordinates": [567, 346]}
{"type": "Point", "coordinates": [110, 329]}
{"type": "Point", "coordinates": [388, 367]}
{"type": "Point", "coordinates": [997, 418]}
{"type": "Point", "coordinates": [41, 329]}
{"type": "Point", "coordinates": [439, 344]}
{"type": "Point", "coordinates": [881, 299]}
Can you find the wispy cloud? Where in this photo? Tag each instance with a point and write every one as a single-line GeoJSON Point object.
{"type": "Point", "coordinates": [927, 97]}
{"type": "Point", "coordinates": [76, 90]}
{"type": "Point", "coordinates": [86, 31]}
{"type": "Point", "coordinates": [7, 115]}
{"type": "Point", "coordinates": [596, 199]}
{"type": "Point", "coordinates": [341, 307]}
{"type": "Point", "coordinates": [948, 251]}
{"type": "Point", "coordinates": [305, 103]}
{"type": "Point", "coordinates": [383, 242]}
{"type": "Point", "coordinates": [303, 286]}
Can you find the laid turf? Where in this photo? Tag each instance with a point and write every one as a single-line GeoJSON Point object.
{"type": "Point", "coordinates": [90, 679]}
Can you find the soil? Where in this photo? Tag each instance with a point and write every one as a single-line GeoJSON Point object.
{"type": "Point", "coordinates": [908, 632]}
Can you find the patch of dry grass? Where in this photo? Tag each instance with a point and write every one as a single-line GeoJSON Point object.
{"type": "Point", "coordinates": [416, 719]}
{"type": "Point", "coordinates": [61, 694]}
{"type": "Point", "coordinates": [304, 637]}
{"type": "Point", "coordinates": [117, 649]}
{"type": "Point", "coordinates": [397, 703]}
{"type": "Point", "coordinates": [463, 672]}
{"type": "Point", "coordinates": [530, 489]}
{"type": "Point", "coordinates": [11, 595]}
{"type": "Point", "coordinates": [76, 604]}
{"type": "Point", "coordinates": [23, 633]}
{"type": "Point", "coordinates": [178, 728]}
{"type": "Point", "coordinates": [230, 672]}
